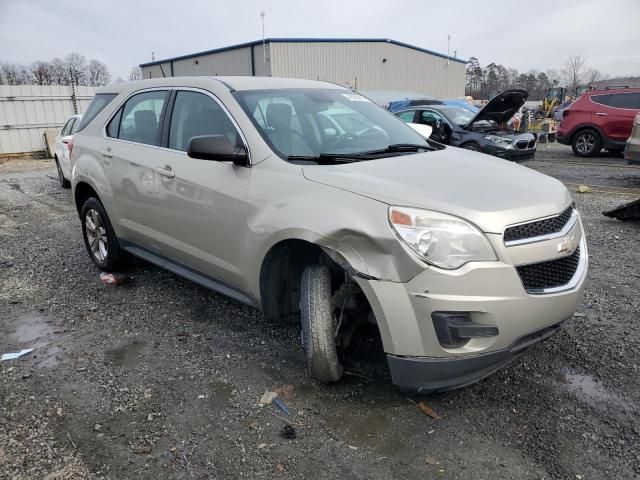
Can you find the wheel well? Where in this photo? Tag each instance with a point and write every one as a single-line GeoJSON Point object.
{"type": "Point", "coordinates": [582, 129]}
{"type": "Point", "coordinates": [280, 276]}
{"type": "Point", "coordinates": [82, 193]}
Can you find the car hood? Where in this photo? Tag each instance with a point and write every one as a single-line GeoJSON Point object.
{"type": "Point", "coordinates": [502, 107]}
{"type": "Point", "coordinates": [490, 192]}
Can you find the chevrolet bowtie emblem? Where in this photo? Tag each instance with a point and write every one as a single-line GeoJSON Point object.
{"type": "Point", "coordinates": [568, 245]}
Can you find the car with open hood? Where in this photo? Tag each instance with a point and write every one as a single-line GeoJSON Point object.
{"type": "Point", "coordinates": [485, 131]}
{"type": "Point", "coordinates": [311, 203]}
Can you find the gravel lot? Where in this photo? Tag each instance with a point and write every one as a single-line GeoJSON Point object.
{"type": "Point", "coordinates": [161, 378]}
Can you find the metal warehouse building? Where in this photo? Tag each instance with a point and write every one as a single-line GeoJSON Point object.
{"type": "Point", "coordinates": [362, 64]}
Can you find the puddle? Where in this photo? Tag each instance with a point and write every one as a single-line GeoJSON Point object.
{"type": "Point", "coordinates": [126, 355]}
{"type": "Point", "coordinates": [36, 331]}
{"type": "Point", "coordinates": [593, 392]}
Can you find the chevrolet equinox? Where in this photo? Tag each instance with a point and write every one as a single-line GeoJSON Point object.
{"type": "Point", "coordinates": [306, 200]}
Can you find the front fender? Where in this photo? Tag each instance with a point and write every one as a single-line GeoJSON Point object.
{"type": "Point", "coordinates": [348, 226]}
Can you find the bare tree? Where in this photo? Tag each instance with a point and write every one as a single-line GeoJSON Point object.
{"type": "Point", "coordinates": [59, 72]}
{"type": "Point", "coordinates": [41, 72]}
{"type": "Point", "coordinates": [574, 70]}
{"type": "Point", "coordinates": [135, 74]}
{"type": "Point", "coordinates": [593, 75]}
{"type": "Point", "coordinates": [77, 67]}
{"type": "Point", "coordinates": [98, 73]}
{"type": "Point", "coordinates": [10, 73]}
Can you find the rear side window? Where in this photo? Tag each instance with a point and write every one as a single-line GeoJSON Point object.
{"type": "Point", "coordinates": [67, 127]}
{"type": "Point", "coordinates": [196, 114]}
{"type": "Point", "coordinates": [76, 126]}
{"type": "Point", "coordinates": [625, 100]}
{"type": "Point", "coordinates": [139, 119]}
{"type": "Point", "coordinates": [601, 99]}
{"type": "Point", "coordinates": [407, 116]}
{"type": "Point", "coordinates": [98, 103]}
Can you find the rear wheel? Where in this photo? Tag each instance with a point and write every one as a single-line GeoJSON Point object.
{"type": "Point", "coordinates": [319, 324]}
{"type": "Point", "coordinates": [64, 183]}
{"type": "Point", "coordinates": [586, 143]}
{"type": "Point", "coordinates": [99, 237]}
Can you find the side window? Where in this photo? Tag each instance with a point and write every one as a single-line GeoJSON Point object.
{"type": "Point", "coordinates": [625, 100]}
{"type": "Point", "coordinates": [429, 118]}
{"type": "Point", "coordinates": [67, 127]}
{"type": "Point", "coordinates": [407, 116]}
{"type": "Point", "coordinates": [139, 119]}
{"type": "Point", "coordinates": [602, 99]}
{"type": "Point", "coordinates": [196, 114]}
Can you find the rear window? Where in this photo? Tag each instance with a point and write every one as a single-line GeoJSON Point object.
{"type": "Point", "coordinates": [98, 103]}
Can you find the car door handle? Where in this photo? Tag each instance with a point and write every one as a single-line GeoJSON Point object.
{"type": "Point", "coordinates": [107, 153]}
{"type": "Point", "coordinates": [601, 114]}
{"type": "Point", "coordinates": [166, 171]}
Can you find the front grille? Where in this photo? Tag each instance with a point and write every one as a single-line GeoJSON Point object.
{"type": "Point", "coordinates": [524, 144]}
{"type": "Point", "coordinates": [539, 227]}
{"type": "Point", "coordinates": [551, 274]}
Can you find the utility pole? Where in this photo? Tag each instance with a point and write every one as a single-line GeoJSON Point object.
{"type": "Point", "coordinates": [264, 47]}
{"type": "Point", "coordinates": [153, 56]}
{"type": "Point", "coordinates": [73, 91]}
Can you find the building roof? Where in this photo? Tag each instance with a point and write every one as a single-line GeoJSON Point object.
{"type": "Point", "coordinates": [303, 40]}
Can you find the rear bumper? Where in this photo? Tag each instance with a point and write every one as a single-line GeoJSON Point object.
{"type": "Point", "coordinates": [425, 375]}
{"type": "Point", "coordinates": [563, 138]}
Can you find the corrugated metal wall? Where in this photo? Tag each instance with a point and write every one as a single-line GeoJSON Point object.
{"type": "Point", "coordinates": [360, 65]}
{"type": "Point", "coordinates": [230, 62]}
{"type": "Point", "coordinates": [27, 110]}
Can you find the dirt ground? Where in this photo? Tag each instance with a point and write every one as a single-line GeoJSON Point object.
{"type": "Point", "coordinates": [161, 378]}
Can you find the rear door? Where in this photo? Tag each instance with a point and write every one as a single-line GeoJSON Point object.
{"type": "Point", "coordinates": [132, 148]}
{"type": "Point", "coordinates": [202, 202]}
{"type": "Point", "coordinates": [614, 114]}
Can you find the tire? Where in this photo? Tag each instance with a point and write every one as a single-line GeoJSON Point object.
{"type": "Point", "coordinates": [586, 143]}
{"type": "Point", "coordinates": [64, 183]}
{"type": "Point", "coordinates": [473, 146]}
{"type": "Point", "coordinates": [99, 238]}
{"type": "Point", "coordinates": [318, 324]}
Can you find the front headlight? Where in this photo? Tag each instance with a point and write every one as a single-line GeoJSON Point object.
{"type": "Point", "coordinates": [440, 239]}
{"type": "Point", "coordinates": [499, 140]}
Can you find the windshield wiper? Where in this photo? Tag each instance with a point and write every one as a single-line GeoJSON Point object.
{"type": "Point", "coordinates": [329, 157]}
{"type": "Point", "coordinates": [400, 147]}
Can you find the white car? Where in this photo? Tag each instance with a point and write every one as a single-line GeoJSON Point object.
{"type": "Point", "coordinates": [63, 146]}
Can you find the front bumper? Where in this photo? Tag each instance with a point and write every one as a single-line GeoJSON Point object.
{"type": "Point", "coordinates": [515, 154]}
{"type": "Point", "coordinates": [423, 374]}
{"type": "Point", "coordinates": [491, 294]}
{"type": "Point", "coordinates": [632, 152]}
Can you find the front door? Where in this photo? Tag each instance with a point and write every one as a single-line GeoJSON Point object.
{"type": "Point", "coordinates": [202, 202]}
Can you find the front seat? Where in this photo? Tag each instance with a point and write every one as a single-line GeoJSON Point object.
{"type": "Point", "coordinates": [146, 124]}
{"type": "Point", "coordinates": [289, 142]}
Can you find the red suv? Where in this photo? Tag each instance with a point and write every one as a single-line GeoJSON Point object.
{"type": "Point", "coordinates": [599, 119]}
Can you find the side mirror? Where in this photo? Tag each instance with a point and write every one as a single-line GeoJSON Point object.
{"type": "Point", "coordinates": [422, 129]}
{"type": "Point", "coordinates": [217, 148]}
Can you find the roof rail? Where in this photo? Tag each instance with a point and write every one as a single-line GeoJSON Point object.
{"type": "Point", "coordinates": [615, 87]}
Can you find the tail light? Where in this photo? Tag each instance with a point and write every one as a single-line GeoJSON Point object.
{"type": "Point", "coordinates": [70, 146]}
{"type": "Point", "coordinates": [565, 113]}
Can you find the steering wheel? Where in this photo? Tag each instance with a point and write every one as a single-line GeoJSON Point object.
{"type": "Point", "coordinates": [353, 136]}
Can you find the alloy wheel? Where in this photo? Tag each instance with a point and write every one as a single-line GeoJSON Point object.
{"type": "Point", "coordinates": [586, 143]}
{"type": "Point", "coordinates": [96, 235]}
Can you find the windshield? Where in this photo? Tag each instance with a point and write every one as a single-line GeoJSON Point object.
{"type": "Point", "coordinates": [319, 122]}
{"type": "Point", "coordinates": [459, 116]}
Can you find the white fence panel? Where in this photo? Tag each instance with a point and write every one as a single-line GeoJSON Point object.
{"type": "Point", "coordinates": [27, 110]}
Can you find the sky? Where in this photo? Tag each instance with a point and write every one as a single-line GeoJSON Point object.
{"type": "Point", "coordinates": [521, 35]}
